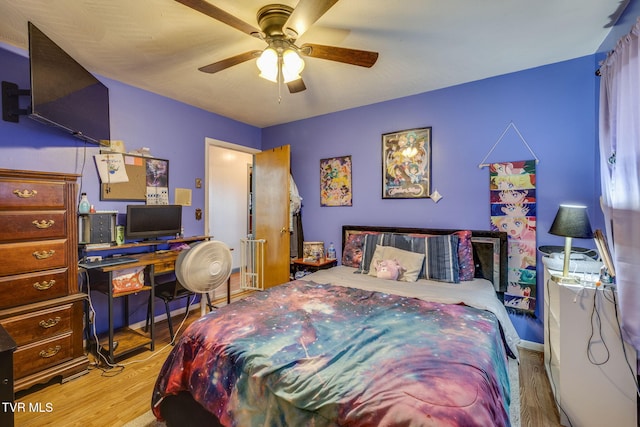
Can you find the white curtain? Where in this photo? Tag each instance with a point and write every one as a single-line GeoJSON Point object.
{"type": "Point", "coordinates": [620, 173]}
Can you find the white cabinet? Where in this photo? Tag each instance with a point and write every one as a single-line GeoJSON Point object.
{"type": "Point", "coordinates": [592, 383]}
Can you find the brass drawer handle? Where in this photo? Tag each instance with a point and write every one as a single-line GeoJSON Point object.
{"type": "Point", "coordinates": [44, 285]}
{"type": "Point", "coordinates": [49, 323]}
{"type": "Point", "coordinates": [50, 352]}
{"type": "Point", "coordinates": [43, 223]}
{"type": "Point", "coordinates": [25, 194]}
{"type": "Point", "coordinates": [44, 254]}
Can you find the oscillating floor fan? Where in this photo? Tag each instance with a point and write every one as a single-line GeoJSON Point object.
{"type": "Point", "coordinates": [204, 267]}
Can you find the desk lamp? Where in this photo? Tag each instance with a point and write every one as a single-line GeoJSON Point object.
{"type": "Point", "coordinates": [571, 222]}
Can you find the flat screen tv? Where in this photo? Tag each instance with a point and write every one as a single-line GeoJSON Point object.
{"type": "Point", "coordinates": [63, 93]}
{"type": "Point", "coordinates": [151, 222]}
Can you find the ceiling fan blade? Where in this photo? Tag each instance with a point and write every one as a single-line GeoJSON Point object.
{"type": "Point", "coordinates": [230, 62]}
{"type": "Point", "coordinates": [304, 15]}
{"type": "Point", "coordinates": [362, 58]}
{"type": "Point", "coordinates": [216, 13]}
{"type": "Point", "coordinates": [296, 86]}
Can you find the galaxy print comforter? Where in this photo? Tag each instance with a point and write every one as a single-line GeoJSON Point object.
{"type": "Point", "coordinates": [308, 354]}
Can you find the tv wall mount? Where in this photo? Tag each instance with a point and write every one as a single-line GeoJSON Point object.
{"type": "Point", "coordinates": [11, 94]}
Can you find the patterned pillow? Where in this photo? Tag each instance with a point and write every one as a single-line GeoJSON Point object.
{"type": "Point", "coordinates": [368, 249]}
{"type": "Point", "coordinates": [352, 251]}
{"type": "Point", "coordinates": [465, 255]}
{"type": "Point", "coordinates": [442, 258]}
{"type": "Point", "coordinates": [466, 265]}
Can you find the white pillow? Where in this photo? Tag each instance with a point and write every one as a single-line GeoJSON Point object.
{"type": "Point", "coordinates": [411, 262]}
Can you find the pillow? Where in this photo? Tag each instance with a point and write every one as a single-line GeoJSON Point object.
{"type": "Point", "coordinates": [352, 251]}
{"type": "Point", "coordinates": [411, 262]}
{"type": "Point", "coordinates": [416, 243]}
{"type": "Point", "coordinates": [466, 265]}
{"type": "Point", "coordinates": [378, 255]}
{"type": "Point", "coordinates": [371, 241]}
{"type": "Point", "coordinates": [442, 258]}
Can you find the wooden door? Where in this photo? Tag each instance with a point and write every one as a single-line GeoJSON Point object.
{"type": "Point", "coordinates": [271, 211]}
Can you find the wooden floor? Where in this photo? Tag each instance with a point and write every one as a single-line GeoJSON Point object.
{"type": "Point", "coordinates": [537, 407]}
{"type": "Point", "coordinates": [117, 396]}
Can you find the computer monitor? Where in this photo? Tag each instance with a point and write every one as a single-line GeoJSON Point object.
{"type": "Point", "coordinates": [150, 222]}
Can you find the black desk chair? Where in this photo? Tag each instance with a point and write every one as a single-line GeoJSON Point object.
{"type": "Point", "coordinates": [168, 292]}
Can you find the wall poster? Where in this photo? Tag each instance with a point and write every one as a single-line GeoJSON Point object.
{"type": "Point", "coordinates": [157, 182]}
{"type": "Point", "coordinates": [406, 164]}
{"type": "Point", "coordinates": [335, 181]}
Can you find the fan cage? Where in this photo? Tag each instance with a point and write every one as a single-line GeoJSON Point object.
{"type": "Point", "coordinates": [204, 267]}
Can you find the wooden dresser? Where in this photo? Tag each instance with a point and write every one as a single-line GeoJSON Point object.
{"type": "Point", "coordinates": [40, 304]}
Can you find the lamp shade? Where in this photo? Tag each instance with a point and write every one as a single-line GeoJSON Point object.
{"type": "Point", "coordinates": [268, 64]}
{"type": "Point", "coordinates": [572, 221]}
{"type": "Point", "coordinates": [292, 66]}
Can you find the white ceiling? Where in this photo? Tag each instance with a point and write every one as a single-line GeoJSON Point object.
{"type": "Point", "coordinates": [158, 45]}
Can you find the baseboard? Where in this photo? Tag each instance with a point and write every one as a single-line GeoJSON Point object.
{"type": "Point", "coordinates": [530, 345]}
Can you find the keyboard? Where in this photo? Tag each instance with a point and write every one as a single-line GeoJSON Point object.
{"type": "Point", "coordinates": [106, 262]}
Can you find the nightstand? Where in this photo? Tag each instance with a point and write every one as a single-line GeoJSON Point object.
{"type": "Point", "coordinates": [590, 391]}
{"type": "Point", "coordinates": [299, 264]}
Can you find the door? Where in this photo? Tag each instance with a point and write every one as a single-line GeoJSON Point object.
{"type": "Point", "coordinates": [271, 211]}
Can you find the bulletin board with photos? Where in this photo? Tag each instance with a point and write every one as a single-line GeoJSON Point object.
{"type": "Point", "coordinates": [148, 180]}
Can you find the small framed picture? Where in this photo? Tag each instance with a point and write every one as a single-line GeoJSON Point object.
{"type": "Point", "coordinates": [406, 164]}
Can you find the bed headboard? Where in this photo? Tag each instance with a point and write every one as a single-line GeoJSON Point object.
{"type": "Point", "coordinates": [489, 249]}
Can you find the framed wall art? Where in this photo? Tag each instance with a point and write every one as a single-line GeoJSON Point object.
{"type": "Point", "coordinates": [406, 164]}
{"type": "Point", "coordinates": [335, 181]}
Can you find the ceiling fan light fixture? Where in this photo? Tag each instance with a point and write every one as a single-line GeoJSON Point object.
{"type": "Point", "coordinates": [292, 65]}
{"type": "Point", "coordinates": [268, 64]}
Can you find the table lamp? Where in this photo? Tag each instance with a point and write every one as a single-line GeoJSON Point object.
{"type": "Point", "coordinates": [571, 221]}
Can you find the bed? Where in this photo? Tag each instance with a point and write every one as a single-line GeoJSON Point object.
{"type": "Point", "coordinates": [344, 347]}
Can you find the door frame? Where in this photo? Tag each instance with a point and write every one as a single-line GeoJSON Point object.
{"type": "Point", "coordinates": [211, 142]}
{"type": "Point", "coordinates": [208, 143]}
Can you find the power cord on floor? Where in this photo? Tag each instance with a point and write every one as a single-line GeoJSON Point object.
{"type": "Point", "coordinates": [171, 343]}
{"type": "Point", "coordinates": [112, 369]}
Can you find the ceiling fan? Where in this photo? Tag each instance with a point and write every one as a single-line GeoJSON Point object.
{"type": "Point", "coordinates": [280, 26]}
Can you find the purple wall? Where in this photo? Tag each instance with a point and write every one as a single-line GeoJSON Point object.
{"type": "Point", "coordinates": [554, 107]}
{"type": "Point", "coordinates": [172, 130]}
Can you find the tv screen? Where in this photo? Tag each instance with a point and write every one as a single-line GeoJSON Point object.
{"type": "Point", "coordinates": [63, 93]}
{"type": "Point", "coordinates": [148, 222]}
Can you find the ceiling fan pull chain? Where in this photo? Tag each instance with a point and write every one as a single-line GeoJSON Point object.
{"type": "Point", "coordinates": [280, 79]}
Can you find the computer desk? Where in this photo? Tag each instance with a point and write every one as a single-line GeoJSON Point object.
{"type": "Point", "coordinates": [156, 263]}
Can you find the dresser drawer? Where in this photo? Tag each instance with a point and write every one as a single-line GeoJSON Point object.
{"type": "Point", "coordinates": [33, 287]}
{"type": "Point", "coordinates": [32, 256]}
{"type": "Point", "coordinates": [42, 354]}
{"type": "Point", "coordinates": [31, 327]}
{"type": "Point", "coordinates": [32, 225]}
{"type": "Point", "coordinates": [33, 194]}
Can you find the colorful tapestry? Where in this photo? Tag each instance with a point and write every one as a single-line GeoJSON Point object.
{"type": "Point", "coordinates": [513, 210]}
